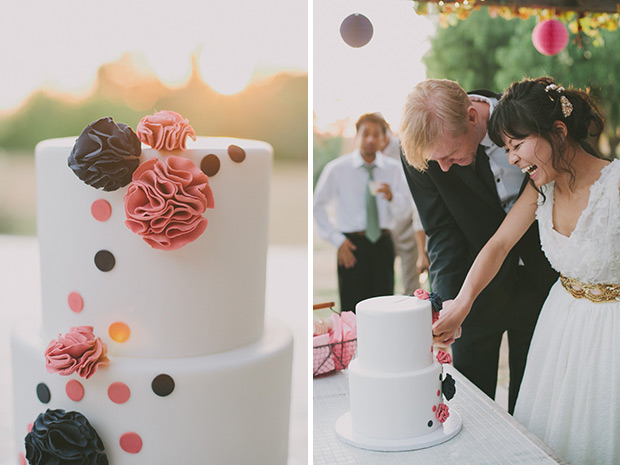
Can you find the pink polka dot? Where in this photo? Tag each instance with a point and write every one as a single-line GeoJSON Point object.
{"type": "Point", "coordinates": [118, 393]}
{"type": "Point", "coordinates": [22, 459]}
{"type": "Point", "coordinates": [131, 443]}
{"type": "Point", "coordinates": [434, 408]}
{"type": "Point", "coordinates": [438, 392]}
{"type": "Point", "coordinates": [30, 426]}
{"type": "Point", "coordinates": [76, 303]}
{"type": "Point", "coordinates": [101, 210]}
{"type": "Point", "coordinates": [74, 390]}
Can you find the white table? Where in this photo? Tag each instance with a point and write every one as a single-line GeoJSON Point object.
{"type": "Point", "coordinates": [489, 434]}
{"type": "Point", "coordinates": [286, 301]}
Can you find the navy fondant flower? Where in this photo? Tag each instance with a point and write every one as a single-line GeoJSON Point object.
{"type": "Point", "coordinates": [448, 387]}
{"type": "Point", "coordinates": [436, 301]}
{"type": "Point", "coordinates": [106, 154]}
{"type": "Point", "coordinates": [64, 438]}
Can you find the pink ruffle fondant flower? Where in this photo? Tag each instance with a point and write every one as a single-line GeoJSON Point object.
{"type": "Point", "coordinates": [421, 294]}
{"type": "Point", "coordinates": [77, 351]}
{"type": "Point", "coordinates": [165, 130]}
{"type": "Point", "coordinates": [442, 413]}
{"type": "Point", "coordinates": [443, 357]}
{"type": "Point", "coordinates": [165, 201]}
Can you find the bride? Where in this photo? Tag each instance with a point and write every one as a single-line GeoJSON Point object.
{"type": "Point", "coordinates": [570, 394]}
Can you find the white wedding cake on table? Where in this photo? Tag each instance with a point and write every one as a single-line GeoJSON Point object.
{"type": "Point", "coordinates": [152, 347]}
{"type": "Point", "coordinates": [396, 382]}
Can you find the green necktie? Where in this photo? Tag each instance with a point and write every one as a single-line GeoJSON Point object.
{"type": "Point", "coordinates": [373, 232]}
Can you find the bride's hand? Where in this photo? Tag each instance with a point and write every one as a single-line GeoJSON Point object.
{"type": "Point", "coordinates": [448, 327]}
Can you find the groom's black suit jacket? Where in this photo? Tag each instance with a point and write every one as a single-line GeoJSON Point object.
{"type": "Point", "coordinates": [460, 211]}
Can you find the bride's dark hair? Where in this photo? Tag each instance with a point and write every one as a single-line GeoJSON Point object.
{"type": "Point", "coordinates": [532, 106]}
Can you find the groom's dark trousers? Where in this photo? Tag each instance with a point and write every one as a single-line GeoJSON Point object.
{"type": "Point", "coordinates": [460, 211]}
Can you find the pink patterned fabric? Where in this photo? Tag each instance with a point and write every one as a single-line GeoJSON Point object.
{"type": "Point", "coordinates": [165, 130]}
{"type": "Point", "coordinates": [77, 351]}
{"type": "Point", "coordinates": [165, 201]}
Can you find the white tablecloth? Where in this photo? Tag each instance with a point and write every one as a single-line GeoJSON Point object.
{"type": "Point", "coordinates": [286, 301]}
{"type": "Point", "coordinates": [489, 435]}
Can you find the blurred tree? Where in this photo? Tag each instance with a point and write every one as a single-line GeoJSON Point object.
{"type": "Point", "coordinates": [274, 110]}
{"type": "Point", "coordinates": [485, 52]}
{"type": "Point", "coordinates": [326, 147]}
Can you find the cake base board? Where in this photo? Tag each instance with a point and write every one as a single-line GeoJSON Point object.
{"type": "Point", "coordinates": [449, 429]}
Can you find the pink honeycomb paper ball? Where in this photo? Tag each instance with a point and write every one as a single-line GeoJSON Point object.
{"type": "Point", "coordinates": [550, 37]}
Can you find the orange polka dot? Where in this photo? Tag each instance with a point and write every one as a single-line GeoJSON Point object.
{"type": "Point", "coordinates": [119, 331]}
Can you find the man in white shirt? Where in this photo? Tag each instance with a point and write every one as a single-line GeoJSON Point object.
{"type": "Point", "coordinates": [369, 193]}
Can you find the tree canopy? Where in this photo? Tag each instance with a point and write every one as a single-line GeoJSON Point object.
{"type": "Point", "coordinates": [490, 53]}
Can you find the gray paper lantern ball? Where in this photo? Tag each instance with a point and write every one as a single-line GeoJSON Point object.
{"type": "Point", "coordinates": [356, 30]}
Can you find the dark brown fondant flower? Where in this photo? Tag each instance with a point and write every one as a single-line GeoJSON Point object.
{"type": "Point", "coordinates": [67, 438]}
{"type": "Point", "coordinates": [106, 154]}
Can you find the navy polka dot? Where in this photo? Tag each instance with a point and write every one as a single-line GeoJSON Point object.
{"type": "Point", "coordinates": [43, 393]}
{"type": "Point", "coordinates": [163, 385]}
{"type": "Point", "coordinates": [104, 260]}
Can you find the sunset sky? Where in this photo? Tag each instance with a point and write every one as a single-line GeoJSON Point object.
{"type": "Point", "coordinates": [349, 82]}
{"type": "Point", "coordinates": [59, 44]}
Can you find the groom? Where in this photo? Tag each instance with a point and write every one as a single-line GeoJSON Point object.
{"type": "Point", "coordinates": [463, 187]}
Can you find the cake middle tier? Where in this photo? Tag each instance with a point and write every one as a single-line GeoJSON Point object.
{"type": "Point", "coordinates": [394, 405]}
{"type": "Point", "coordinates": [394, 334]}
{"type": "Point", "coordinates": [205, 297]}
{"type": "Point", "coordinates": [227, 408]}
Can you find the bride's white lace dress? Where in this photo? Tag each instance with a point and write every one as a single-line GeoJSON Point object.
{"type": "Point", "coordinates": [570, 395]}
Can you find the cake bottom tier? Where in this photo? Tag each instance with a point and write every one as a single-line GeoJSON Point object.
{"type": "Point", "coordinates": [394, 405]}
{"type": "Point", "coordinates": [227, 408]}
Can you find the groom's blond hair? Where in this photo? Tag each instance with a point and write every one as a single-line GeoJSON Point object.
{"type": "Point", "coordinates": [432, 106]}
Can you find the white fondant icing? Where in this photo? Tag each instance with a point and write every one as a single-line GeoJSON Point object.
{"type": "Point", "coordinates": [394, 383]}
{"type": "Point", "coordinates": [394, 333]}
{"type": "Point", "coordinates": [204, 298]}
{"type": "Point", "coordinates": [226, 408]}
{"type": "Point", "coordinates": [195, 314]}
{"type": "Point", "coordinates": [394, 405]}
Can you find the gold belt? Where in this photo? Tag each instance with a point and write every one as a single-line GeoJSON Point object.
{"type": "Point", "coordinates": [593, 292]}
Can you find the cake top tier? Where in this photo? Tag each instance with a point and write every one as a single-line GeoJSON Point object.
{"type": "Point", "coordinates": [391, 303]}
{"type": "Point", "coordinates": [394, 334]}
{"type": "Point", "coordinates": [162, 252]}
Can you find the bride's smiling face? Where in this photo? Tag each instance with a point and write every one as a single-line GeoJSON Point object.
{"type": "Point", "coordinates": [533, 156]}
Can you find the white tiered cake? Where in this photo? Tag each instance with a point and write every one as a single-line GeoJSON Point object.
{"type": "Point", "coordinates": [191, 374]}
{"type": "Point", "coordinates": [395, 382]}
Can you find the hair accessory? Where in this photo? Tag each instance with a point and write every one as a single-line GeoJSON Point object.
{"type": "Point", "coordinates": [567, 107]}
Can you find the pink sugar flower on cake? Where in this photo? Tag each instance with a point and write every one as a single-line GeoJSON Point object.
{"type": "Point", "coordinates": [165, 201]}
{"type": "Point", "coordinates": [165, 130]}
{"type": "Point", "coordinates": [442, 413]}
{"type": "Point", "coordinates": [443, 357]}
{"type": "Point", "coordinates": [77, 351]}
{"type": "Point", "coordinates": [421, 294]}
